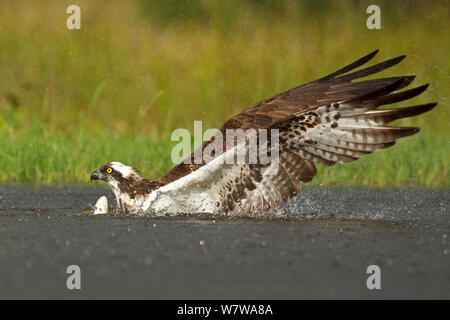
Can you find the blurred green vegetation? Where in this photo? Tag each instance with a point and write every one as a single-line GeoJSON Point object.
{"type": "Point", "coordinates": [71, 100]}
{"type": "Point", "coordinates": [42, 157]}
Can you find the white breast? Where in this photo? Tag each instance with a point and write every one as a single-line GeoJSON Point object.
{"type": "Point", "coordinates": [197, 192]}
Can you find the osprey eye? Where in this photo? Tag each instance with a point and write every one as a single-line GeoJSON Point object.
{"type": "Point", "coordinates": [109, 170]}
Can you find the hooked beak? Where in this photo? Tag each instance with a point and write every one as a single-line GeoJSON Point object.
{"type": "Point", "coordinates": [97, 176]}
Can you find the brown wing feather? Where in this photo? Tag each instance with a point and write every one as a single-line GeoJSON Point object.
{"type": "Point", "coordinates": [330, 90]}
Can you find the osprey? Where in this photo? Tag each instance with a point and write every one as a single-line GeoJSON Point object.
{"type": "Point", "coordinates": [331, 120]}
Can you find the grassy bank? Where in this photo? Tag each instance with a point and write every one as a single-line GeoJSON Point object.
{"type": "Point", "coordinates": [41, 158]}
{"type": "Point", "coordinates": [115, 90]}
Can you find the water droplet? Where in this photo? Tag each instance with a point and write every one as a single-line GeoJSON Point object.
{"type": "Point", "coordinates": [148, 261]}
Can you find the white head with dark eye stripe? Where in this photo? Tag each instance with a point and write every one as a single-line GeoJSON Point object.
{"type": "Point", "coordinates": [125, 171]}
{"type": "Point", "coordinates": [115, 172]}
{"type": "Point", "coordinates": [124, 181]}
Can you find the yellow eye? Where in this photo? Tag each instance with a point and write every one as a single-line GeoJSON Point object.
{"type": "Point", "coordinates": [109, 170]}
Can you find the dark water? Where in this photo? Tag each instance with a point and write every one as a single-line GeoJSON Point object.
{"type": "Point", "coordinates": [322, 253]}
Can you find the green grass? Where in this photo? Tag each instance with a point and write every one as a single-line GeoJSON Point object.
{"type": "Point", "coordinates": [41, 158]}
{"type": "Point", "coordinates": [114, 90]}
{"type": "Point", "coordinates": [38, 157]}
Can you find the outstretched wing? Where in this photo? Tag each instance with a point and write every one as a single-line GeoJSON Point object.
{"type": "Point", "coordinates": [325, 121]}
{"type": "Point", "coordinates": [333, 88]}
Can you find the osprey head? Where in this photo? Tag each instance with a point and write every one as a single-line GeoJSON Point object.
{"type": "Point", "coordinates": [127, 185]}
{"type": "Point", "coordinates": [116, 174]}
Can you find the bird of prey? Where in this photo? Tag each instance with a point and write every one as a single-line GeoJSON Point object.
{"type": "Point", "coordinates": [334, 119]}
